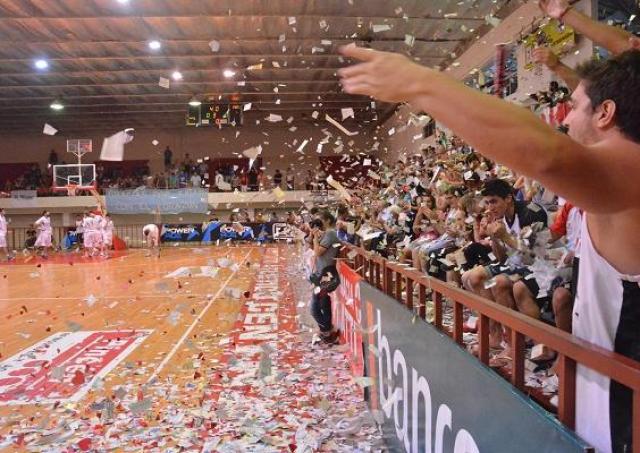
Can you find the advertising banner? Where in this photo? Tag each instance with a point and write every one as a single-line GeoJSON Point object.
{"type": "Point", "coordinates": [216, 230]}
{"type": "Point", "coordinates": [432, 395]}
{"type": "Point", "coordinates": [64, 366]}
{"type": "Point", "coordinates": [24, 193]}
{"type": "Point", "coordinates": [157, 201]}
{"type": "Point", "coordinates": [347, 314]}
{"type": "Point", "coordinates": [181, 233]}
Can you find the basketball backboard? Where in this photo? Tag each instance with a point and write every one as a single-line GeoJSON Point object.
{"type": "Point", "coordinates": [81, 175]}
{"type": "Point", "coordinates": [79, 146]}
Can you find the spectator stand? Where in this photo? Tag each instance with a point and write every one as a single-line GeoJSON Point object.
{"type": "Point", "coordinates": [109, 173]}
{"type": "Point", "coordinates": [19, 175]}
{"type": "Point", "coordinates": [399, 282]}
{"type": "Point", "coordinates": [348, 170]}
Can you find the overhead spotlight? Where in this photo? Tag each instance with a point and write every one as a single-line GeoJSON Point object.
{"type": "Point", "coordinates": [195, 102]}
{"type": "Point", "coordinates": [154, 45]}
{"type": "Point", "coordinates": [177, 75]}
{"type": "Point", "coordinates": [123, 2]}
{"type": "Point", "coordinates": [228, 73]}
{"type": "Point", "coordinates": [57, 105]}
{"type": "Point", "coordinates": [41, 64]}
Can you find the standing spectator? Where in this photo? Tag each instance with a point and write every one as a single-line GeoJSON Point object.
{"type": "Point", "coordinates": [325, 278]}
{"type": "Point", "coordinates": [187, 164]}
{"type": "Point", "coordinates": [196, 180]}
{"type": "Point", "coordinates": [253, 179]}
{"type": "Point", "coordinates": [277, 179]}
{"type": "Point", "coordinates": [53, 158]}
{"type": "Point", "coordinates": [218, 179]}
{"type": "Point", "coordinates": [168, 157]}
{"type": "Point", "coordinates": [173, 179]}
{"type": "Point", "coordinates": [182, 179]}
{"type": "Point", "coordinates": [244, 181]}
{"type": "Point", "coordinates": [308, 181]}
{"type": "Point", "coordinates": [235, 181]}
{"type": "Point", "coordinates": [290, 179]}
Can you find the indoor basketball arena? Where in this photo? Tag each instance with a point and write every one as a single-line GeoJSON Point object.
{"type": "Point", "coordinates": [332, 226]}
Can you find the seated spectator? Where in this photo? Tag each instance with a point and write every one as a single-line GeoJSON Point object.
{"type": "Point", "coordinates": [508, 218]}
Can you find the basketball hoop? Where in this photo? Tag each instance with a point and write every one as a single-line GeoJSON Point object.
{"type": "Point", "coordinates": [71, 190]}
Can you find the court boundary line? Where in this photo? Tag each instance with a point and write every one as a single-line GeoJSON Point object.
{"type": "Point", "coordinates": [186, 333]}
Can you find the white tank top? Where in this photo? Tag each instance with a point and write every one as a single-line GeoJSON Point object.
{"type": "Point", "coordinates": [606, 313]}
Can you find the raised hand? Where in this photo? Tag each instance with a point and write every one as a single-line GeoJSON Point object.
{"type": "Point", "coordinates": [554, 8]}
{"type": "Point", "coordinates": [386, 76]}
{"type": "Point", "coordinates": [545, 56]}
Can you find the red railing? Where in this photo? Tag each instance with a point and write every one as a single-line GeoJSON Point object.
{"type": "Point", "coordinates": [399, 280]}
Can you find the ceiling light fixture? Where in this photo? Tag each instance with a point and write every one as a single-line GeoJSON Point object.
{"type": "Point", "coordinates": [41, 64]}
{"type": "Point", "coordinates": [195, 102]}
{"type": "Point", "coordinates": [154, 45]}
{"type": "Point", "coordinates": [177, 75]}
{"type": "Point", "coordinates": [123, 2]}
{"type": "Point", "coordinates": [228, 73]}
{"type": "Point", "coordinates": [57, 105]}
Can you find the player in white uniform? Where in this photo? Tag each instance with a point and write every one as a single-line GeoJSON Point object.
{"type": "Point", "coordinates": [43, 227]}
{"type": "Point", "coordinates": [98, 239]}
{"type": "Point", "coordinates": [152, 236]}
{"type": "Point", "coordinates": [107, 234]}
{"type": "Point", "coordinates": [92, 234]}
{"type": "Point", "coordinates": [3, 236]}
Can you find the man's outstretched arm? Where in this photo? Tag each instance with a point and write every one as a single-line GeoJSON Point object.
{"type": "Point", "coordinates": [499, 130]}
{"type": "Point", "coordinates": [613, 39]}
{"type": "Point", "coordinates": [545, 56]}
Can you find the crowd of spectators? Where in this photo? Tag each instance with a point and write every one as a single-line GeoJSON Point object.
{"type": "Point", "coordinates": [459, 217]}
{"type": "Point", "coordinates": [186, 173]}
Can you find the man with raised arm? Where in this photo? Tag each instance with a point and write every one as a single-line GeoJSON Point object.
{"type": "Point", "coordinates": [614, 39]}
{"type": "Point", "coordinates": [593, 167]}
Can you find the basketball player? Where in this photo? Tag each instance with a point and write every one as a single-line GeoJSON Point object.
{"type": "Point", "coordinates": [92, 235]}
{"type": "Point", "coordinates": [98, 239]}
{"type": "Point", "coordinates": [107, 234]}
{"type": "Point", "coordinates": [43, 226]}
{"type": "Point", "coordinates": [3, 236]}
{"type": "Point", "coordinates": [152, 236]}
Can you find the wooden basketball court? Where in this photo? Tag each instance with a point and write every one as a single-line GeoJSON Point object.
{"type": "Point", "coordinates": [191, 349]}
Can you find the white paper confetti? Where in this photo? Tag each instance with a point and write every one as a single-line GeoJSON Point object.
{"type": "Point", "coordinates": [49, 129]}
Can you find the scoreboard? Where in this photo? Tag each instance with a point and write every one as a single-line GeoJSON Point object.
{"type": "Point", "coordinates": [207, 114]}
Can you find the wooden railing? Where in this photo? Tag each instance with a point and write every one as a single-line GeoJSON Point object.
{"type": "Point", "coordinates": [399, 280]}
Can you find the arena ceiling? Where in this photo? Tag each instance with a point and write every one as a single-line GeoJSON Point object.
{"type": "Point", "coordinates": [283, 54]}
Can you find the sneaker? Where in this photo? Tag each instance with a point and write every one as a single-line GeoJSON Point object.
{"type": "Point", "coordinates": [332, 337]}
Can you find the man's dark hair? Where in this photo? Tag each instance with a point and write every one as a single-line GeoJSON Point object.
{"type": "Point", "coordinates": [327, 217]}
{"type": "Point", "coordinates": [316, 223]}
{"type": "Point", "coordinates": [497, 188]}
{"type": "Point", "coordinates": [616, 79]}
{"type": "Point", "coordinates": [342, 211]}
